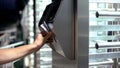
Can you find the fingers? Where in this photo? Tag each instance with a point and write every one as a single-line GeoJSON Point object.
{"type": "Point", "coordinates": [40, 39]}
{"type": "Point", "coordinates": [51, 38]}
{"type": "Point", "coordinates": [44, 33]}
{"type": "Point", "coordinates": [48, 35]}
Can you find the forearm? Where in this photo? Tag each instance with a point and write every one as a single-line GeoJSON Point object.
{"type": "Point", "coordinates": [8, 55]}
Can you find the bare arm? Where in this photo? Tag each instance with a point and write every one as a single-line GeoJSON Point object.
{"type": "Point", "coordinates": [11, 54]}
{"type": "Point", "coordinates": [8, 55]}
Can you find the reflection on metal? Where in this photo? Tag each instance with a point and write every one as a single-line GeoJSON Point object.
{"type": "Point", "coordinates": [57, 47]}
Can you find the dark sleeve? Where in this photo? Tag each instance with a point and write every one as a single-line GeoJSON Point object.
{"type": "Point", "coordinates": [21, 4]}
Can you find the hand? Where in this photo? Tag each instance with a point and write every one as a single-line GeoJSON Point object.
{"type": "Point", "coordinates": [42, 38]}
{"type": "Point", "coordinates": [51, 38]}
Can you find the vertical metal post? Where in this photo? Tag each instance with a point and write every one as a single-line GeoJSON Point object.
{"type": "Point", "coordinates": [34, 29]}
{"type": "Point", "coordinates": [75, 28]}
{"type": "Point", "coordinates": [83, 33]}
{"type": "Point", "coordinates": [34, 14]}
{"type": "Point", "coordinates": [115, 64]}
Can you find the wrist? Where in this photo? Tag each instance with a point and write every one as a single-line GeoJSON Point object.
{"type": "Point", "coordinates": [35, 45]}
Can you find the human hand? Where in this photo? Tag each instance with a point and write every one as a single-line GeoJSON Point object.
{"type": "Point", "coordinates": [42, 38]}
{"type": "Point", "coordinates": [51, 38]}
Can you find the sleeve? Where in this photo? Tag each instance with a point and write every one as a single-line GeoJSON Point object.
{"type": "Point", "coordinates": [21, 4]}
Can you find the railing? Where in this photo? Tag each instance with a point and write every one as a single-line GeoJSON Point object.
{"type": "Point", "coordinates": [101, 63]}
{"type": "Point", "coordinates": [106, 55]}
{"type": "Point", "coordinates": [107, 14]}
{"type": "Point", "coordinates": [13, 45]}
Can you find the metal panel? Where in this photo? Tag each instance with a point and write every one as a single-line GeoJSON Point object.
{"type": "Point", "coordinates": [62, 62]}
{"type": "Point", "coordinates": [83, 32]}
{"type": "Point", "coordinates": [64, 27]}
